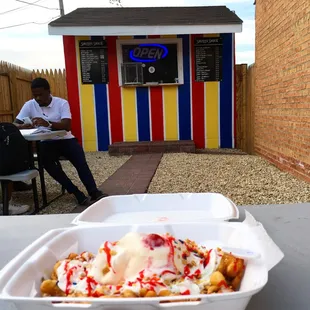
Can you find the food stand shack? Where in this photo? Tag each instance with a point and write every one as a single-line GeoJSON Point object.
{"type": "Point", "coordinates": [151, 74]}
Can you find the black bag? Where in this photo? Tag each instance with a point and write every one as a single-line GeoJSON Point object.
{"type": "Point", "coordinates": [14, 154]}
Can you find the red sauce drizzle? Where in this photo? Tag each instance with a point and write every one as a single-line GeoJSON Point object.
{"type": "Point", "coordinates": [187, 271]}
{"type": "Point", "coordinates": [68, 277]}
{"type": "Point", "coordinates": [207, 259]}
{"type": "Point", "coordinates": [153, 282]}
{"type": "Point", "coordinates": [197, 273]}
{"type": "Point", "coordinates": [171, 252]}
{"type": "Point", "coordinates": [187, 292]}
{"type": "Point", "coordinates": [222, 283]}
{"type": "Point", "coordinates": [97, 294]}
{"type": "Point", "coordinates": [141, 274]}
{"type": "Point", "coordinates": [167, 271]}
{"type": "Point", "coordinates": [107, 251]}
{"type": "Point", "coordinates": [89, 282]}
{"type": "Point", "coordinates": [66, 266]}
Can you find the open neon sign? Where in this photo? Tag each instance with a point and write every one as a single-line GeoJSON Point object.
{"type": "Point", "coordinates": [148, 52]}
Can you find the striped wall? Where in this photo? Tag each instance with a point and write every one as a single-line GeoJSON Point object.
{"type": "Point", "coordinates": [103, 114]}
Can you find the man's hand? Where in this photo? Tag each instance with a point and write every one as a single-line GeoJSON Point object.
{"type": "Point", "coordinates": [25, 126]}
{"type": "Point", "coordinates": [38, 121]}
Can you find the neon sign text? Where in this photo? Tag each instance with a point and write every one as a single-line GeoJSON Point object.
{"type": "Point", "coordinates": [148, 52]}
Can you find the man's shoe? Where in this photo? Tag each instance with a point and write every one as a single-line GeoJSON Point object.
{"type": "Point", "coordinates": [15, 209]}
{"type": "Point", "coordinates": [97, 195]}
{"type": "Point", "coordinates": [81, 198]}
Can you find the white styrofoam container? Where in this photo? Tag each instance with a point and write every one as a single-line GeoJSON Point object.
{"type": "Point", "coordinates": [158, 208]}
{"type": "Point", "coordinates": [21, 285]}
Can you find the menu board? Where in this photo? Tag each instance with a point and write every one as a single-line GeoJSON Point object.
{"type": "Point", "coordinates": [94, 61]}
{"type": "Point", "coordinates": [208, 59]}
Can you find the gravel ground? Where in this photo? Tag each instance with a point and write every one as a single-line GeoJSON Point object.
{"type": "Point", "coordinates": [244, 179]}
{"type": "Point", "coordinates": [101, 165]}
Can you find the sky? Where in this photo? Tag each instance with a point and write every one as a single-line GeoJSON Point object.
{"type": "Point", "coordinates": [30, 46]}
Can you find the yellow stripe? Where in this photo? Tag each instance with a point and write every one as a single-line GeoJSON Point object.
{"type": "Point", "coordinates": [170, 98]}
{"type": "Point", "coordinates": [170, 101]}
{"type": "Point", "coordinates": [168, 36]}
{"type": "Point", "coordinates": [129, 113]}
{"type": "Point", "coordinates": [87, 107]}
{"type": "Point", "coordinates": [129, 110]}
{"type": "Point", "coordinates": [212, 115]}
{"type": "Point", "coordinates": [212, 111]}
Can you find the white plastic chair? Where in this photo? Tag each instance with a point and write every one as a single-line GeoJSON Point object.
{"type": "Point", "coordinates": [23, 176]}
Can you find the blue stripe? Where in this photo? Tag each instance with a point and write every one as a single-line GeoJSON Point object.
{"type": "Point", "coordinates": [184, 93]}
{"type": "Point", "coordinates": [226, 93]}
{"type": "Point", "coordinates": [143, 110]}
{"type": "Point", "coordinates": [102, 115]}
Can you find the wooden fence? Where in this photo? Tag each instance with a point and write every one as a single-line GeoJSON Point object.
{"type": "Point", "coordinates": [15, 87]}
{"type": "Point", "coordinates": [245, 100]}
{"type": "Point", "coordinates": [15, 91]}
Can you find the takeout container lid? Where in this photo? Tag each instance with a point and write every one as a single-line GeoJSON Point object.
{"type": "Point", "coordinates": [158, 208]}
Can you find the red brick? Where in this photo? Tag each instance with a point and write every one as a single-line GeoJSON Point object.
{"type": "Point", "coordinates": [282, 91]}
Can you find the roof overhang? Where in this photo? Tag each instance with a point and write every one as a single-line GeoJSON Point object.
{"type": "Point", "coordinates": [143, 30]}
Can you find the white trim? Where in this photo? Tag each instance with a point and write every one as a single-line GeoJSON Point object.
{"type": "Point", "coordinates": [143, 30]}
{"type": "Point", "coordinates": [178, 41]}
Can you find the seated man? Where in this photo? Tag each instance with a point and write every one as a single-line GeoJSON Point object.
{"type": "Point", "coordinates": [54, 113]}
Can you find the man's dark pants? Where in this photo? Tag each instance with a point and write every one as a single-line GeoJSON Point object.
{"type": "Point", "coordinates": [72, 151]}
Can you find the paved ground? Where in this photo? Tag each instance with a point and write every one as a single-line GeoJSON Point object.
{"type": "Point", "coordinates": [133, 177]}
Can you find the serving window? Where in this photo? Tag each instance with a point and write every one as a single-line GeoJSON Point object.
{"type": "Point", "coordinates": [150, 62]}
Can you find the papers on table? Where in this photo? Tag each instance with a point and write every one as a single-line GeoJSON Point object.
{"type": "Point", "coordinates": [34, 131]}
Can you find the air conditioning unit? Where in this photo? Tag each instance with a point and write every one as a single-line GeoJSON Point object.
{"type": "Point", "coordinates": [132, 73]}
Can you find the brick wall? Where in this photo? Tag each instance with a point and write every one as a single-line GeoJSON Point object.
{"type": "Point", "coordinates": [282, 108]}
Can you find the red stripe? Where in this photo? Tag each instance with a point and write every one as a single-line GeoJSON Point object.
{"type": "Point", "coordinates": [235, 94]}
{"type": "Point", "coordinates": [157, 113]}
{"type": "Point", "coordinates": [73, 85]}
{"type": "Point", "coordinates": [115, 101]}
{"type": "Point", "coordinates": [197, 103]}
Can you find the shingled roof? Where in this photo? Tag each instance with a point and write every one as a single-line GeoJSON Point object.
{"type": "Point", "coordinates": [148, 16]}
{"type": "Point", "coordinates": [147, 20]}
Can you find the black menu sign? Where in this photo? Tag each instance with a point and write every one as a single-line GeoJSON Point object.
{"type": "Point", "coordinates": [94, 61]}
{"type": "Point", "coordinates": [208, 59]}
